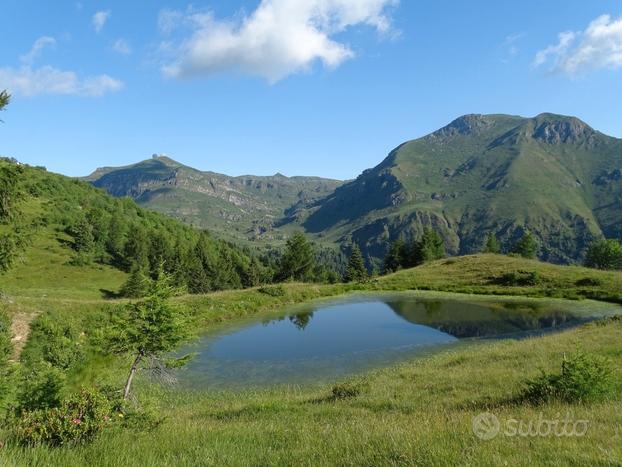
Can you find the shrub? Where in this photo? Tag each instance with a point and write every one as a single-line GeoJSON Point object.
{"type": "Point", "coordinates": [583, 378]}
{"type": "Point", "coordinates": [55, 342]}
{"type": "Point", "coordinates": [273, 291]}
{"type": "Point", "coordinates": [604, 254]}
{"type": "Point", "coordinates": [347, 390]}
{"type": "Point", "coordinates": [79, 418]}
{"type": "Point", "coordinates": [520, 279]}
{"type": "Point", "coordinates": [589, 282]}
{"type": "Point", "coordinates": [5, 352]}
{"type": "Point", "coordinates": [39, 388]}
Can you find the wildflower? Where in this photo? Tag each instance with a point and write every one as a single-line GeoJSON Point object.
{"type": "Point", "coordinates": [76, 421]}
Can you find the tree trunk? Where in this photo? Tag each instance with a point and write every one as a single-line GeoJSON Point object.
{"type": "Point", "coordinates": [130, 378]}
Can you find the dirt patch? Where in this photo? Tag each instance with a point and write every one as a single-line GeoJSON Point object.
{"type": "Point", "coordinates": [20, 330]}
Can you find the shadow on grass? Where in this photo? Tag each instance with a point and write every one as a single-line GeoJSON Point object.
{"type": "Point", "coordinates": [109, 294]}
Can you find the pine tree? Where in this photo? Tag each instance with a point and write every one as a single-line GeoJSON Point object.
{"type": "Point", "coordinates": [395, 258]}
{"type": "Point", "coordinates": [148, 329]}
{"type": "Point", "coordinates": [527, 246]}
{"type": "Point", "coordinates": [83, 239]}
{"type": "Point", "coordinates": [492, 244]}
{"type": "Point", "coordinates": [356, 270]}
{"type": "Point", "coordinates": [83, 242]}
{"type": "Point", "coordinates": [429, 248]}
{"type": "Point", "coordinates": [137, 285]}
{"type": "Point", "coordinates": [254, 273]}
{"type": "Point", "coordinates": [116, 237]}
{"type": "Point", "coordinates": [298, 260]}
{"type": "Point", "coordinates": [136, 249]}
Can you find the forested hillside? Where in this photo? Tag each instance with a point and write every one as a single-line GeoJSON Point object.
{"type": "Point", "coordinates": [99, 229]}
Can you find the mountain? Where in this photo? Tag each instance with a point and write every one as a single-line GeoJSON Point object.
{"type": "Point", "coordinates": [552, 175]}
{"type": "Point", "coordinates": [245, 207]}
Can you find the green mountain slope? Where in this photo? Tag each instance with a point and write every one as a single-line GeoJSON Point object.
{"type": "Point", "coordinates": [246, 207]}
{"type": "Point", "coordinates": [67, 233]}
{"type": "Point", "coordinates": [552, 175]}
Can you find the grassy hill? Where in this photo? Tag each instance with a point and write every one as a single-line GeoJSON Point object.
{"type": "Point", "coordinates": [419, 412]}
{"type": "Point", "coordinates": [552, 175]}
{"type": "Point", "coordinates": [78, 229]}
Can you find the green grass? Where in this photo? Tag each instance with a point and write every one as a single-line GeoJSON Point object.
{"type": "Point", "coordinates": [44, 271]}
{"type": "Point", "coordinates": [419, 413]}
{"type": "Point", "coordinates": [416, 413]}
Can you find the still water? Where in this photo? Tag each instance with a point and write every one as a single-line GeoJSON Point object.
{"type": "Point", "coordinates": [330, 340]}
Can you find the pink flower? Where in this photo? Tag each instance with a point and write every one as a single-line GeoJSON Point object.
{"type": "Point", "coordinates": [76, 421]}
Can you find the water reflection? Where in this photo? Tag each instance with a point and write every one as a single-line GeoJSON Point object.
{"type": "Point", "coordinates": [468, 320]}
{"type": "Point", "coordinates": [326, 342]}
{"type": "Point", "coordinates": [301, 320]}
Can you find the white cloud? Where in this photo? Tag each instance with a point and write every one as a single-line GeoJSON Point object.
{"type": "Point", "coordinates": [565, 40]}
{"type": "Point", "coordinates": [599, 46]}
{"type": "Point", "coordinates": [37, 48]}
{"type": "Point", "coordinates": [121, 46]}
{"type": "Point", "coordinates": [168, 20]}
{"type": "Point", "coordinates": [50, 80]}
{"type": "Point", "coordinates": [30, 81]}
{"type": "Point", "coordinates": [99, 19]}
{"type": "Point", "coordinates": [511, 46]}
{"type": "Point", "coordinates": [279, 38]}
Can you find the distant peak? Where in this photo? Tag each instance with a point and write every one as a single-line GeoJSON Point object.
{"type": "Point", "coordinates": [470, 124]}
{"type": "Point", "coordinates": [164, 159]}
{"type": "Point", "coordinates": [555, 129]}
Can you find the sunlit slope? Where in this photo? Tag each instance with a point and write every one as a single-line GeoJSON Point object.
{"type": "Point", "coordinates": [246, 207]}
{"type": "Point", "coordinates": [553, 175]}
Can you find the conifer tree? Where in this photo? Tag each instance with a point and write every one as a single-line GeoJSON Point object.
{"type": "Point", "coordinates": [298, 260]}
{"type": "Point", "coordinates": [429, 248]}
{"type": "Point", "coordinates": [356, 270]}
{"type": "Point", "coordinates": [147, 329]}
{"type": "Point", "coordinates": [116, 237]}
{"type": "Point", "coordinates": [527, 246]}
{"type": "Point", "coordinates": [136, 249]}
{"type": "Point", "coordinates": [83, 239]}
{"type": "Point", "coordinates": [492, 244]}
{"type": "Point", "coordinates": [396, 257]}
{"type": "Point", "coordinates": [137, 285]}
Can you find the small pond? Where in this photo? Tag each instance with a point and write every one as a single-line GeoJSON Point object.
{"type": "Point", "coordinates": [329, 340]}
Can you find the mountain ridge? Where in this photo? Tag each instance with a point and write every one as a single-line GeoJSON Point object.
{"type": "Point", "coordinates": [550, 174]}
{"type": "Point", "coordinates": [243, 206]}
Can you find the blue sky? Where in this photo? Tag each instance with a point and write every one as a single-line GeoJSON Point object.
{"type": "Point", "coordinates": [301, 87]}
